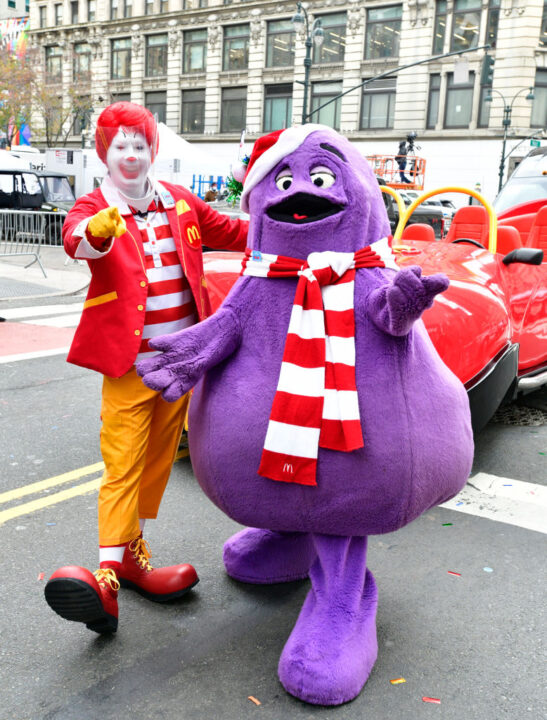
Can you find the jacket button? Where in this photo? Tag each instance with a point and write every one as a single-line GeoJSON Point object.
{"type": "Point", "coordinates": [140, 307]}
{"type": "Point", "coordinates": [137, 332]}
{"type": "Point", "coordinates": [143, 283]}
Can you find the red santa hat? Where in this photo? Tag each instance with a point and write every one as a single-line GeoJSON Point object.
{"type": "Point", "coordinates": [268, 151]}
{"type": "Point", "coordinates": [127, 115]}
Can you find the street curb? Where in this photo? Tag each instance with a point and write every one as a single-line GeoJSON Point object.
{"type": "Point", "coordinates": [62, 293]}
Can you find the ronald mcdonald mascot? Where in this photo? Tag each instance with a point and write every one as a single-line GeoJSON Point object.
{"type": "Point", "coordinates": [143, 242]}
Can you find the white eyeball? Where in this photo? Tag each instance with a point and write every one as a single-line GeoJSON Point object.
{"type": "Point", "coordinates": [322, 176]}
{"type": "Point", "coordinates": [284, 180]}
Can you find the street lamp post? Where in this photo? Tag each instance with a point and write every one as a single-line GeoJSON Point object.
{"type": "Point", "coordinates": [507, 110]}
{"type": "Point", "coordinates": [315, 36]}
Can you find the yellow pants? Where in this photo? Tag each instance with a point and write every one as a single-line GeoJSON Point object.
{"type": "Point", "coordinates": [139, 439]}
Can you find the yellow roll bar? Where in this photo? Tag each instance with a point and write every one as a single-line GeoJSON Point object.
{"type": "Point", "coordinates": [407, 212]}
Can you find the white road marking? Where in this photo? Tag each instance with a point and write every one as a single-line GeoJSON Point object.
{"type": "Point", "coordinates": [40, 311]}
{"type": "Point", "coordinates": [65, 321]}
{"type": "Point", "coordinates": [32, 355]}
{"type": "Point", "coordinates": [505, 500]}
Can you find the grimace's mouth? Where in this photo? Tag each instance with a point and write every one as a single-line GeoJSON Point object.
{"type": "Point", "coordinates": [303, 208]}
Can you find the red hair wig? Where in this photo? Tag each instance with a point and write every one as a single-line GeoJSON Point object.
{"type": "Point", "coordinates": [127, 115]}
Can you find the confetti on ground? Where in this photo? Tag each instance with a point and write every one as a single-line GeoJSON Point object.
{"type": "Point", "coordinates": [542, 453]}
{"type": "Point", "coordinates": [451, 572]}
{"type": "Point", "coordinates": [253, 699]}
{"type": "Point", "coordinates": [487, 569]}
{"type": "Point", "coordinates": [446, 524]}
{"type": "Point", "coordinates": [507, 484]}
{"type": "Point", "coordinates": [397, 681]}
{"type": "Point", "coordinates": [460, 503]}
{"type": "Point", "coordinates": [51, 524]}
{"type": "Point", "coordinates": [40, 576]}
{"type": "Point", "coordinates": [431, 700]}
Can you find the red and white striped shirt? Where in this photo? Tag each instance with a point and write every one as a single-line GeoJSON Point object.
{"type": "Point", "coordinates": [170, 306]}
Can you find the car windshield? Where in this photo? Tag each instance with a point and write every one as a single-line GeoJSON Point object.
{"type": "Point", "coordinates": [521, 190]}
{"type": "Point", "coordinates": [57, 189]}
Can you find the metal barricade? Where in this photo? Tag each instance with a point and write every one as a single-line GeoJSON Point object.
{"type": "Point", "coordinates": [24, 232]}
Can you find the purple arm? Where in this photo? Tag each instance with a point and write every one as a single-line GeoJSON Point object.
{"type": "Point", "coordinates": [395, 307]}
{"type": "Point", "coordinates": [188, 354]}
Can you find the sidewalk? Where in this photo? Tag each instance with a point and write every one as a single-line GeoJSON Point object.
{"type": "Point", "coordinates": [64, 276]}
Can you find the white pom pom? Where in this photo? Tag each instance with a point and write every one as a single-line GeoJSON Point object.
{"type": "Point", "coordinates": [238, 171]}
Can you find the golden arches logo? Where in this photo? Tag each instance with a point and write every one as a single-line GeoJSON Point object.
{"type": "Point", "coordinates": [192, 235]}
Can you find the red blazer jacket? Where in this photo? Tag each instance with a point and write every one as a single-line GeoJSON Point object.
{"type": "Point", "coordinates": [110, 330]}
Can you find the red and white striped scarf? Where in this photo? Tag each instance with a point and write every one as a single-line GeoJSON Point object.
{"type": "Point", "coordinates": [316, 402]}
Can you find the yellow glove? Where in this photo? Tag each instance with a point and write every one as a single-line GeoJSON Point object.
{"type": "Point", "coordinates": [107, 223]}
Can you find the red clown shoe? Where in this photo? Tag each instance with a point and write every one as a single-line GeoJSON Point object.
{"type": "Point", "coordinates": [157, 584]}
{"type": "Point", "coordinates": [92, 598]}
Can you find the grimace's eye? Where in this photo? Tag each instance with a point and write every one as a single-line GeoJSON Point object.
{"type": "Point", "coordinates": [322, 177]}
{"type": "Point", "coordinates": [284, 180]}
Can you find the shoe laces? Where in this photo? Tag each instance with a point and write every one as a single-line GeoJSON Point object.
{"type": "Point", "coordinates": [141, 552]}
{"type": "Point", "coordinates": [107, 576]}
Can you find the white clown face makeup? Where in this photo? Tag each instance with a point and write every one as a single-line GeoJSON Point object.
{"type": "Point", "coordinates": [128, 160]}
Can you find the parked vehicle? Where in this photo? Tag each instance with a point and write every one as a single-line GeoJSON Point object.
{"type": "Point", "coordinates": [431, 214]}
{"type": "Point", "coordinates": [527, 184]}
{"type": "Point", "coordinates": [490, 326]}
{"type": "Point", "coordinates": [34, 191]}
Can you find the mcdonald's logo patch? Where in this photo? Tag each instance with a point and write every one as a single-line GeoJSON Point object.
{"type": "Point", "coordinates": [193, 236]}
{"type": "Point", "coordinates": [288, 468]}
{"type": "Point", "coordinates": [182, 207]}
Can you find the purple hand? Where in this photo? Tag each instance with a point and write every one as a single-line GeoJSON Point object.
{"type": "Point", "coordinates": [395, 307]}
{"type": "Point", "coordinates": [188, 354]}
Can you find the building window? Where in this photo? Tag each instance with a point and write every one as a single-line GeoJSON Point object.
{"type": "Point", "coordinates": [322, 92]}
{"type": "Point", "coordinates": [120, 97]}
{"type": "Point", "coordinates": [236, 47]}
{"type": "Point", "coordinates": [433, 101]}
{"type": "Point", "coordinates": [543, 31]}
{"type": "Point", "coordinates": [164, 6]}
{"type": "Point", "coordinates": [193, 111]}
{"type": "Point", "coordinates": [54, 64]}
{"type": "Point", "coordinates": [156, 55]}
{"type": "Point", "coordinates": [113, 9]}
{"type": "Point", "coordinates": [277, 107]}
{"type": "Point", "coordinates": [492, 22]}
{"type": "Point", "coordinates": [233, 115]}
{"type": "Point", "coordinates": [383, 32]}
{"type": "Point", "coordinates": [82, 62]}
{"type": "Point", "coordinates": [378, 104]}
{"type": "Point", "coordinates": [42, 16]}
{"type": "Point", "coordinates": [82, 115]}
{"type": "Point", "coordinates": [120, 68]}
{"type": "Point", "coordinates": [156, 102]}
{"type": "Point", "coordinates": [91, 10]}
{"type": "Point", "coordinates": [332, 48]}
{"type": "Point", "coordinates": [459, 101]}
{"type": "Point", "coordinates": [58, 13]}
{"type": "Point", "coordinates": [194, 54]}
{"type": "Point", "coordinates": [127, 8]}
{"type": "Point", "coordinates": [280, 44]}
{"type": "Point", "coordinates": [148, 7]}
{"type": "Point", "coordinates": [466, 24]}
{"type": "Point", "coordinates": [539, 104]}
{"type": "Point", "coordinates": [439, 32]}
{"type": "Point", "coordinates": [74, 12]}
{"type": "Point", "coordinates": [12, 4]}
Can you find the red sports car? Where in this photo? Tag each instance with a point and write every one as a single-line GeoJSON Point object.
{"type": "Point", "coordinates": [490, 326]}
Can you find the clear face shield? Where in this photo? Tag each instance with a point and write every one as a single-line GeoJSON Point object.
{"type": "Point", "coordinates": [129, 159]}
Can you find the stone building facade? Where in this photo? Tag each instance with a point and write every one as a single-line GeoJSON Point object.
{"type": "Point", "coordinates": [210, 68]}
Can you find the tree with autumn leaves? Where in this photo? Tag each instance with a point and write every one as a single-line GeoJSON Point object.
{"type": "Point", "coordinates": [49, 109]}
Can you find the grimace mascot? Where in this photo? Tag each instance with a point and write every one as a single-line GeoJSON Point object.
{"type": "Point", "coordinates": [321, 412]}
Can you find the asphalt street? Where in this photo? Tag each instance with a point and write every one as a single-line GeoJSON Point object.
{"type": "Point", "coordinates": [474, 640]}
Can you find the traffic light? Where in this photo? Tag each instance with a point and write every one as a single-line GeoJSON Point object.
{"type": "Point", "coordinates": [487, 72]}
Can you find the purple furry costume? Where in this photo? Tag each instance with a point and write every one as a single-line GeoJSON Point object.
{"type": "Point", "coordinates": [414, 414]}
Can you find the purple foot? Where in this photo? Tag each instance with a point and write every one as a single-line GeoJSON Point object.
{"type": "Point", "coordinates": [332, 648]}
{"type": "Point", "coordinates": [264, 557]}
